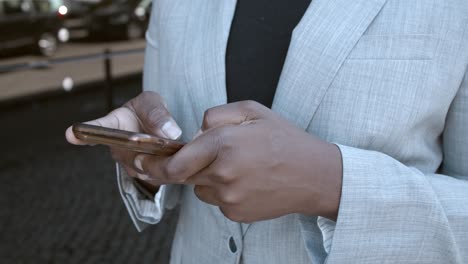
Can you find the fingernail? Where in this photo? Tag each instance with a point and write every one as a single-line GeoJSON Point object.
{"type": "Point", "coordinates": [138, 162]}
{"type": "Point", "coordinates": [143, 177]}
{"type": "Point", "coordinates": [171, 130]}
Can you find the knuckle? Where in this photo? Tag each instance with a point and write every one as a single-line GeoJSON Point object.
{"type": "Point", "coordinates": [230, 197]}
{"type": "Point", "coordinates": [220, 139]}
{"type": "Point", "coordinates": [157, 115]}
{"type": "Point", "coordinates": [150, 94]}
{"type": "Point", "coordinates": [222, 134]}
{"type": "Point", "coordinates": [223, 175]}
{"type": "Point", "coordinates": [172, 171]}
{"type": "Point", "coordinates": [143, 99]}
{"type": "Point", "coordinates": [249, 105]}
{"type": "Point", "coordinates": [225, 138]}
{"type": "Point", "coordinates": [208, 118]}
{"type": "Point", "coordinates": [253, 110]}
{"type": "Point", "coordinates": [119, 111]}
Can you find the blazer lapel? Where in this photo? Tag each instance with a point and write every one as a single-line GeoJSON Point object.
{"type": "Point", "coordinates": [319, 45]}
{"type": "Point", "coordinates": [207, 33]}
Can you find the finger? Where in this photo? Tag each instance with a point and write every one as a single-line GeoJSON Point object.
{"type": "Point", "coordinates": [153, 116]}
{"type": "Point", "coordinates": [218, 173]}
{"type": "Point", "coordinates": [154, 167]}
{"type": "Point", "coordinates": [207, 194]}
{"type": "Point", "coordinates": [125, 158]}
{"type": "Point", "coordinates": [121, 118]}
{"type": "Point", "coordinates": [145, 178]}
{"type": "Point", "coordinates": [146, 112]}
{"type": "Point", "coordinates": [130, 172]}
{"type": "Point", "coordinates": [202, 178]}
{"type": "Point", "coordinates": [233, 113]}
{"type": "Point", "coordinates": [199, 132]}
{"type": "Point", "coordinates": [71, 138]}
{"type": "Point", "coordinates": [189, 160]}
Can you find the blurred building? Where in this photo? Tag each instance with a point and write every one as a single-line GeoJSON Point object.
{"type": "Point", "coordinates": [31, 24]}
{"type": "Point", "coordinates": [125, 19]}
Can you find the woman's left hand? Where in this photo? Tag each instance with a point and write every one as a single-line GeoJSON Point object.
{"type": "Point", "coordinates": [255, 165]}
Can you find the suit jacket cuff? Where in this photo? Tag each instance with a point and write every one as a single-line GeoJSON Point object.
{"type": "Point", "coordinates": [356, 173]}
{"type": "Point", "coordinates": [142, 209]}
{"type": "Point", "coordinates": [383, 200]}
{"type": "Point", "coordinates": [327, 227]}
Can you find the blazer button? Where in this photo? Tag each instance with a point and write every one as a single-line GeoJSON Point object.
{"type": "Point", "coordinates": [232, 245]}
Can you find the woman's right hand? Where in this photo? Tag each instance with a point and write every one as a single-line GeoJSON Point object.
{"type": "Point", "coordinates": [146, 113]}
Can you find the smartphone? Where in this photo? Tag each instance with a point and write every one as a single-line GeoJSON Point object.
{"type": "Point", "coordinates": [138, 142]}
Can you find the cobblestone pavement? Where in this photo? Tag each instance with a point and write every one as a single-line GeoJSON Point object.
{"type": "Point", "coordinates": [59, 203]}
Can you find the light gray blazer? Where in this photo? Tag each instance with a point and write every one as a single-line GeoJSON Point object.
{"type": "Point", "coordinates": [384, 79]}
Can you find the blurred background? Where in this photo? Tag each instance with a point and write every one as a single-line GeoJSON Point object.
{"type": "Point", "coordinates": [64, 61]}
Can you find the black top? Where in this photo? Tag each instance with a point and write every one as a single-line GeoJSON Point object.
{"type": "Point", "coordinates": [257, 47]}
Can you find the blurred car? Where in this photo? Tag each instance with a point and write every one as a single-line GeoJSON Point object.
{"type": "Point", "coordinates": [30, 24]}
{"type": "Point", "coordinates": [107, 18]}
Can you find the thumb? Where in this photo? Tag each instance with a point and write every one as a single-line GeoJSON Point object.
{"type": "Point", "coordinates": [153, 116]}
{"type": "Point", "coordinates": [233, 114]}
{"type": "Point", "coordinates": [170, 129]}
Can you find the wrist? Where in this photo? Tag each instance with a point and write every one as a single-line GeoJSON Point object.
{"type": "Point", "coordinates": [324, 197]}
{"type": "Point", "coordinates": [332, 184]}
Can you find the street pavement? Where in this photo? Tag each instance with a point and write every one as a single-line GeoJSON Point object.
{"type": "Point", "coordinates": [27, 83]}
{"type": "Point", "coordinates": [59, 203]}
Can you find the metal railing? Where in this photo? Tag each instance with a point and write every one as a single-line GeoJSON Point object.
{"type": "Point", "coordinates": [106, 56]}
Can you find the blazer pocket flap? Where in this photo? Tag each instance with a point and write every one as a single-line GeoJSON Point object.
{"type": "Point", "coordinates": [395, 47]}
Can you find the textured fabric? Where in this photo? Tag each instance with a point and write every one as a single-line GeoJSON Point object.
{"type": "Point", "coordinates": [257, 46]}
{"type": "Point", "coordinates": [145, 211]}
{"type": "Point", "coordinates": [386, 80]}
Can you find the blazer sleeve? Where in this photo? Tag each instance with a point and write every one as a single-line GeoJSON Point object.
{"type": "Point", "coordinates": [142, 209]}
{"type": "Point", "coordinates": [397, 214]}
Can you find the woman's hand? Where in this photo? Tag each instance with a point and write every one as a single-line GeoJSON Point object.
{"type": "Point", "coordinates": [254, 165]}
{"type": "Point", "coordinates": [146, 113]}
